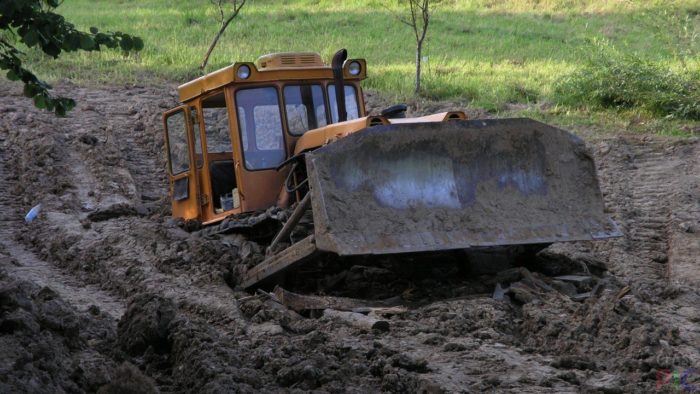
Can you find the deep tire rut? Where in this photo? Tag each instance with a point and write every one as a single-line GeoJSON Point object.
{"type": "Point", "coordinates": [643, 195]}
{"type": "Point", "coordinates": [654, 190]}
{"type": "Point", "coordinates": [26, 265]}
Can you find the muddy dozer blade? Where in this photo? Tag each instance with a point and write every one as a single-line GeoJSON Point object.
{"type": "Point", "coordinates": [453, 185]}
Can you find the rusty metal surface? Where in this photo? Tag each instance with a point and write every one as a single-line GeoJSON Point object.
{"type": "Point", "coordinates": [437, 186]}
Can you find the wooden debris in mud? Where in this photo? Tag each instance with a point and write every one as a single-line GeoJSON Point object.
{"type": "Point", "coordinates": [623, 292]}
{"type": "Point", "coordinates": [577, 279]}
{"type": "Point", "coordinates": [301, 303]}
{"type": "Point", "coordinates": [382, 311]}
{"type": "Point", "coordinates": [357, 320]}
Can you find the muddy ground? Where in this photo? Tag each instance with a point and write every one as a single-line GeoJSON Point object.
{"type": "Point", "coordinates": [105, 292]}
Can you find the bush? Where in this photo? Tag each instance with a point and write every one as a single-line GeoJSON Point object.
{"type": "Point", "coordinates": [610, 79]}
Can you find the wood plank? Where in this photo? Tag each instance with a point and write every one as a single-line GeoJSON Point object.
{"type": "Point", "coordinates": [357, 320]}
{"type": "Point", "coordinates": [300, 302]}
{"type": "Point", "coordinates": [280, 262]}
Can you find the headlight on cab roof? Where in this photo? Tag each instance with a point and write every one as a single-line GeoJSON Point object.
{"type": "Point", "coordinates": [354, 68]}
{"type": "Point", "coordinates": [243, 72]}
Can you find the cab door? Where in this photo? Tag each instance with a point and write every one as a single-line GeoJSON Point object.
{"type": "Point", "coordinates": [262, 143]}
{"type": "Point", "coordinates": [182, 174]}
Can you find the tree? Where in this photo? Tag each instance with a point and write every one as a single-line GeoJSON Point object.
{"type": "Point", "coordinates": [34, 24]}
{"type": "Point", "coordinates": [418, 20]}
{"type": "Point", "coordinates": [224, 22]}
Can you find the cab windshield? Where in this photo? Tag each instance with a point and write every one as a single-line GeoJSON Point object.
{"type": "Point", "coordinates": [260, 125]}
{"type": "Point", "coordinates": [260, 121]}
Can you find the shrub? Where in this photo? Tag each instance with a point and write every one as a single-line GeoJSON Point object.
{"type": "Point", "coordinates": [611, 79]}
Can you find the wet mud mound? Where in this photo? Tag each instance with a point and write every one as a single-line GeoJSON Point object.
{"type": "Point", "coordinates": [582, 317]}
{"type": "Point", "coordinates": [49, 347]}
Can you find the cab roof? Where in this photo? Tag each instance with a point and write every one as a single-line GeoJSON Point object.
{"type": "Point", "coordinates": [273, 67]}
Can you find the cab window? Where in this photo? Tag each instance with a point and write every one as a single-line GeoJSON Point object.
{"type": "Point", "coordinates": [178, 147]}
{"type": "Point", "coordinates": [260, 125]}
{"type": "Point", "coordinates": [217, 134]}
{"type": "Point", "coordinates": [216, 124]}
{"type": "Point", "coordinates": [194, 119]}
{"type": "Point", "coordinates": [306, 108]}
{"type": "Point", "coordinates": [350, 103]}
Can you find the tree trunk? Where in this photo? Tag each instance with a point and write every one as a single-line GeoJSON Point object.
{"type": "Point", "coordinates": [419, 50]}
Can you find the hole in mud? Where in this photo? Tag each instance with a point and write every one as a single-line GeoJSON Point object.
{"type": "Point", "coordinates": [413, 277]}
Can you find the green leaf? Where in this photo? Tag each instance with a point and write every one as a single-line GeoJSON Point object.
{"type": "Point", "coordinates": [60, 110]}
{"type": "Point", "coordinates": [30, 90]}
{"type": "Point", "coordinates": [138, 44]}
{"type": "Point", "coordinates": [12, 75]}
{"type": "Point", "coordinates": [49, 103]}
{"type": "Point", "coordinates": [72, 42]}
{"type": "Point", "coordinates": [101, 38]}
{"type": "Point", "coordinates": [126, 43]}
{"type": "Point", "coordinates": [87, 43]}
{"type": "Point", "coordinates": [68, 104]}
{"type": "Point", "coordinates": [40, 101]}
{"type": "Point", "coordinates": [31, 38]}
{"type": "Point", "coordinates": [93, 30]}
{"type": "Point", "coordinates": [51, 49]}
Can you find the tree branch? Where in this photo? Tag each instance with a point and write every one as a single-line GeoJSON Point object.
{"type": "Point", "coordinates": [35, 24]}
{"type": "Point", "coordinates": [236, 9]}
{"type": "Point", "coordinates": [426, 19]}
{"type": "Point", "coordinates": [413, 18]}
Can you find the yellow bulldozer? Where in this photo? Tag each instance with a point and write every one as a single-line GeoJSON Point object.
{"type": "Point", "coordinates": [292, 132]}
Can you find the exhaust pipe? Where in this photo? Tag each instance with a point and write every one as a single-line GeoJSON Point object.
{"type": "Point", "coordinates": [337, 66]}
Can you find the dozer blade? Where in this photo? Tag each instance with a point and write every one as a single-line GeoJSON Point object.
{"type": "Point", "coordinates": [453, 185]}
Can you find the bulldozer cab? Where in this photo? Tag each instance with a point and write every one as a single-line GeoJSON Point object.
{"type": "Point", "coordinates": [237, 125]}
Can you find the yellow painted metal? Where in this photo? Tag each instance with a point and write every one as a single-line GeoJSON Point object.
{"type": "Point", "coordinates": [324, 135]}
{"type": "Point", "coordinates": [274, 71]}
{"type": "Point", "coordinates": [189, 207]}
{"type": "Point", "coordinates": [207, 83]}
{"type": "Point", "coordinates": [289, 60]}
{"type": "Point", "coordinates": [439, 117]}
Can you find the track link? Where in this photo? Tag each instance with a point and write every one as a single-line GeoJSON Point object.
{"type": "Point", "coordinates": [259, 225]}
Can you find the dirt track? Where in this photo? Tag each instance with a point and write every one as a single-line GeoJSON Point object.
{"type": "Point", "coordinates": [104, 281]}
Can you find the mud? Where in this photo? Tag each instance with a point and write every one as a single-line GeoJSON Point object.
{"type": "Point", "coordinates": [162, 315]}
{"type": "Point", "coordinates": [49, 347]}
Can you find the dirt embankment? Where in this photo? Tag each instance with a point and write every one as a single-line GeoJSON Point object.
{"type": "Point", "coordinates": [155, 306]}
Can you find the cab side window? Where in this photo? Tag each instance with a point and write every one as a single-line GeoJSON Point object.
{"type": "Point", "coordinates": [216, 124]}
{"type": "Point", "coordinates": [194, 119]}
{"type": "Point", "coordinates": [351, 106]}
{"type": "Point", "coordinates": [178, 147]}
{"type": "Point", "coordinates": [306, 108]}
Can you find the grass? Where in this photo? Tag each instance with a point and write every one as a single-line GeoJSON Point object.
{"type": "Point", "coordinates": [483, 53]}
{"type": "Point", "coordinates": [614, 80]}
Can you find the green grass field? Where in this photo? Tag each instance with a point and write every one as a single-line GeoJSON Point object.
{"type": "Point", "coordinates": [482, 53]}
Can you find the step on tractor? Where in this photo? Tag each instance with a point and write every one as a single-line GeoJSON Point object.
{"type": "Point", "coordinates": [291, 133]}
